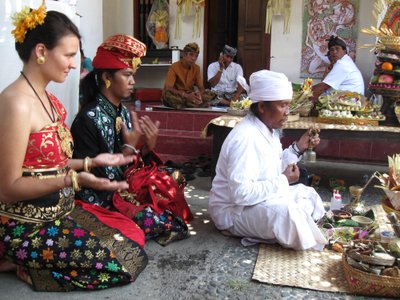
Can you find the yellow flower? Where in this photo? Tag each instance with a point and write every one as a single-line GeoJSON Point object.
{"type": "Point", "coordinates": [27, 19]}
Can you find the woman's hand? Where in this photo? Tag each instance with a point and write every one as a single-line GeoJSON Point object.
{"type": "Point", "coordinates": [292, 173]}
{"type": "Point", "coordinates": [131, 137]}
{"type": "Point", "coordinates": [88, 180]}
{"type": "Point", "coordinates": [150, 130]}
{"type": "Point", "coordinates": [112, 160]}
{"type": "Point", "coordinates": [309, 138]}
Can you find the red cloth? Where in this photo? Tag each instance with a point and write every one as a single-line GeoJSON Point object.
{"type": "Point", "coordinates": [155, 188]}
{"type": "Point", "coordinates": [115, 220]}
{"type": "Point", "coordinates": [118, 52]}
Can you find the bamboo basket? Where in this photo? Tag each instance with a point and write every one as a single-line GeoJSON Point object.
{"type": "Point", "coordinates": [390, 43]}
{"type": "Point", "coordinates": [388, 207]}
{"type": "Point", "coordinates": [368, 284]}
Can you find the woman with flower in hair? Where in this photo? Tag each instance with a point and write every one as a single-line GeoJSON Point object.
{"type": "Point", "coordinates": [52, 241]}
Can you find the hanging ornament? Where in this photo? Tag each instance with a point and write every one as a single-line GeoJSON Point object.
{"type": "Point", "coordinates": [280, 8]}
{"type": "Point", "coordinates": [157, 24]}
{"type": "Point", "coordinates": [178, 24]}
{"type": "Point", "coordinates": [198, 4]}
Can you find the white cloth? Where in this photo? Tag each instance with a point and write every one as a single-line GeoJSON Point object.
{"type": "Point", "coordinates": [267, 85]}
{"type": "Point", "coordinates": [251, 197]}
{"type": "Point", "coordinates": [345, 76]}
{"type": "Point", "coordinates": [228, 81]}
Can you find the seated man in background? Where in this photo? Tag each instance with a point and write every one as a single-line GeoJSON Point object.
{"type": "Point", "coordinates": [222, 76]}
{"type": "Point", "coordinates": [183, 84]}
{"type": "Point", "coordinates": [344, 74]}
{"type": "Point", "coordinates": [251, 195]}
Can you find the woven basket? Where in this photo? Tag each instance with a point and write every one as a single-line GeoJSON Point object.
{"type": "Point", "coordinates": [237, 112]}
{"type": "Point", "coordinates": [394, 197]}
{"type": "Point", "coordinates": [388, 92]}
{"type": "Point", "coordinates": [305, 110]}
{"type": "Point", "coordinates": [390, 43]}
{"type": "Point", "coordinates": [367, 284]}
{"type": "Point", "coordinates": [388, 207]}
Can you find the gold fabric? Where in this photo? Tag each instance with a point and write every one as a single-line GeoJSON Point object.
{"type": "Point", "coordinates": [55, 205]}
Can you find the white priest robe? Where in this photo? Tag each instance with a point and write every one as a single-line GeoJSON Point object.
{"type": "Point", "coordinates": [251, 198]}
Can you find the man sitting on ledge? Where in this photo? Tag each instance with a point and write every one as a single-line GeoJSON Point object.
{"type": "Point", "coordinates": [182, 78]}
{"type": "Point", "coordinates": [222, 77]}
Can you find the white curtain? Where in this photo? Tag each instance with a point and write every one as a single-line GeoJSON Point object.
{"type": "Point", "coordinates": [11, 65]}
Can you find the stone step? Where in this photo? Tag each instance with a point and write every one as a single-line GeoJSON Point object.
{"type": "Point", "coordinates": [188, 144]}
{"type": "Point", "coordinates": [180, 133]}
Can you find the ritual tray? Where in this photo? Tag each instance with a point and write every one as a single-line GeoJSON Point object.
{"type": "Point", "coordinates": [348, 121]}
{"type": "Point", "coordinates": [393, 93]}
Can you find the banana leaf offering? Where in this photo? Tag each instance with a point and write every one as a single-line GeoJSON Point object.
{"type": "Point", "coordinates": [349, 105]}
{"type": "Point", "coordinates": [301, 94]}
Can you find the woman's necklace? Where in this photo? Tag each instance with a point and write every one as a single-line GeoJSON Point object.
{"type": "Point", "coordinates": [53, 113]}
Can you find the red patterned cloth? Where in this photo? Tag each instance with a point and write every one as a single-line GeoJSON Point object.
{"type": "Point", "coordinates": [53, 145]}
{"type": "Point", "coordinates": [119, 52]}
{"type": "Point", "coordinates": [153, 188]}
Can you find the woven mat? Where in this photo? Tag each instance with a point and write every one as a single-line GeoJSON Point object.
{"type": "Point", "coordinates": [316, 270]}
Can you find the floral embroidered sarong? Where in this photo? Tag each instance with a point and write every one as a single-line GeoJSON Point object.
{"type": "Point", "coordinates": [62, 246]}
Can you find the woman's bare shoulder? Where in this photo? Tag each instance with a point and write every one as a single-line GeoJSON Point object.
{"type": "Point", "coordinates": [15, 98]}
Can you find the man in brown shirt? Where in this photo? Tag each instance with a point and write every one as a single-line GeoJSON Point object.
{"type": "Point", "coordinates": [183, 84]}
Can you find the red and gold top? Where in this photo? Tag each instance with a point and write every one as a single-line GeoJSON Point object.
{"type": "Point", "coordinates": [46, 156]}
{"type": "Point", "coordinates": [52, 146]}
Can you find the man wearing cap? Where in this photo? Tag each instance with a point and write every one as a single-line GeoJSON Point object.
{"type": "Point", "coordinates": [251, 195]}
{"type": "Point", "coordinates": [222, 77]}
{"type": "Point", "coordinates": [344, 74]}
{"type": "Point", "coordinates": [104, 125]}
{"type": "Point", "coordinates": [183, 84]}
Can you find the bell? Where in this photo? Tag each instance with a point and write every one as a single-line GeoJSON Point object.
{"type": "Point", "coordinates": [310, 155]}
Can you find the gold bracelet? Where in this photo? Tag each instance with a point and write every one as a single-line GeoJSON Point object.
{"type": "Point", "coordinates": [86, 166]}
{"type": "Point", "coordinates": [74, 179]}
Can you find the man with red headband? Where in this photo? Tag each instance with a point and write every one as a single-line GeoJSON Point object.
{"type": "Point", "coordinates": [105, 125]}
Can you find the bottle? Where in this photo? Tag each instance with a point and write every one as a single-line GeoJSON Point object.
{"type": "Point", "coordinates": [336, 200]}
{"type": "Point", "coordinates": [138, 104]}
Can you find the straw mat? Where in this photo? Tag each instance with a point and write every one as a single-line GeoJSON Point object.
{"type": "Point", "coordinates": [316, 270]}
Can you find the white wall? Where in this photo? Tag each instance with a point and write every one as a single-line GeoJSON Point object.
{"type": "Point", "coordinates": [117, 17]}
{"type": "Point", "coordinates": [91, 27]}
{"type": "Point", "coordinates": [67, 91]}
{"type": "Point", "coordinates": [286, 48]}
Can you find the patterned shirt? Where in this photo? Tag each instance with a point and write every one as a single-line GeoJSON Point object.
{"type": "Point", "coordinates": [94, 132]}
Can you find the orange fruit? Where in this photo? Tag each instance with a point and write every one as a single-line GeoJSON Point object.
{"type": "Point", "coordinates": [387, 66]}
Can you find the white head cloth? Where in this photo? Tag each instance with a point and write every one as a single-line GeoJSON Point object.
{"type": "Point", "coordinates": [267, 86]}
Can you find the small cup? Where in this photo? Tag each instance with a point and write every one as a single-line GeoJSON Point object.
{"type": "Point", "coordinates": [387, 236]}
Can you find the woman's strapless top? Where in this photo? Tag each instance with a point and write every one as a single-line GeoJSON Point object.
{"type": "Point", "coordinates": [46, 156]}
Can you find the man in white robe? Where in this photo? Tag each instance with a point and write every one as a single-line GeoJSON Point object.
{"type": "Point", "coordinates": [251, 195]}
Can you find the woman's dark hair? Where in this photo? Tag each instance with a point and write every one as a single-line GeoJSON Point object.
{"type": "Point", "coordinates": [91, 84]}
{"type": "Point", "coordinates": [56, 25]}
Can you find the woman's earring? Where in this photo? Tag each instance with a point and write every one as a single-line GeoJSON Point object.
{"type": "Point", "coordinates": [108, 83]}
{"type": "Point", "coordinates": [40, 60]}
